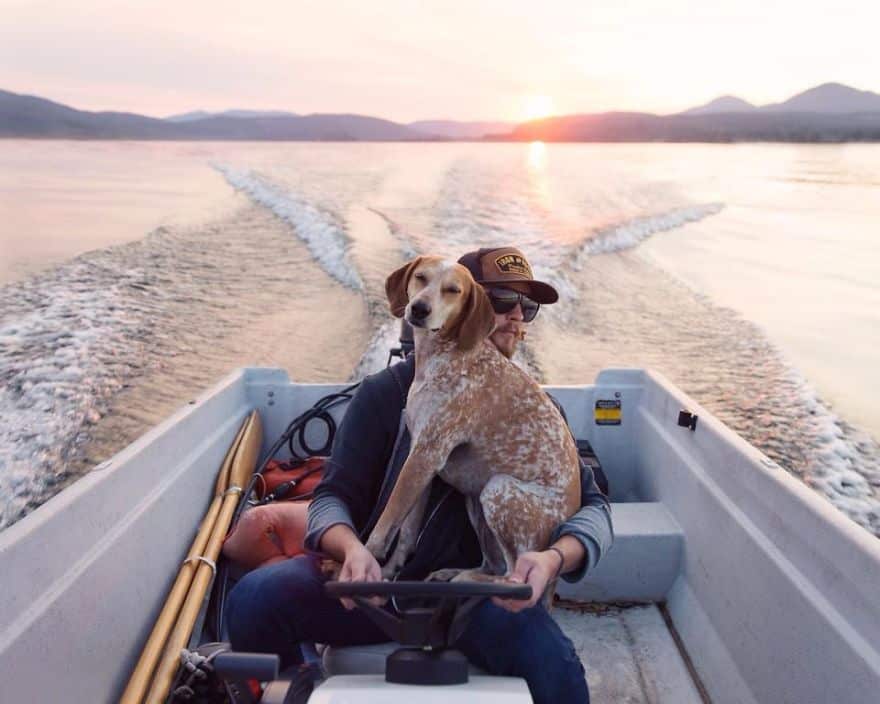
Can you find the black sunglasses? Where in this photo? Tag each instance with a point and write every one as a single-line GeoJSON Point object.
{"type": "Point", "coordinates": [504, 300]}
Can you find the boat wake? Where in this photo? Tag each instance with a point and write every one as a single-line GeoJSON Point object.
{"type": "Point", "coordinates": [632, 233]}
{"type": "Point", "coordinates": [322, 232]}
{"type": "Point", "coordinates": [69, 340]}
{"type": "Point", "coordinates": [404, 239]}
{"type": "Point", "coordinates": [329, 246]}
{"type": "Point", "coordinates": [169, 311]}
{"type": "Point", "coordinates": [844, 465]}
{"type": "Point", "coordinates": [96, 350]}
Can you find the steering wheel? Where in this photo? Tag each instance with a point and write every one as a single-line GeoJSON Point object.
{"type": "Point", "coordinates": [447, 590]}
{"type": "Point", "coordinates": [428, 631]}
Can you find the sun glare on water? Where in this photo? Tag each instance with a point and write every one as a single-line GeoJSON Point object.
{"type": "Point", "coordinates": [537, 156]}
{"type": "Point", "coordinates": [537, 107]}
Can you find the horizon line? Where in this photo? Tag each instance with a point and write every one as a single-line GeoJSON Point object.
{"type": "Point", "coordinates": [294, 113]}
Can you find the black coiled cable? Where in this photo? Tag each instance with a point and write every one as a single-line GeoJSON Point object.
{"type": "Point", "coordinates": [315, 414]}
{"type": "Point", "coordinates": [297, 428]}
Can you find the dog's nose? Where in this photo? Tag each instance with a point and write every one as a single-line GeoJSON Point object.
{"type": "Point", "coordinates": [420, 310]}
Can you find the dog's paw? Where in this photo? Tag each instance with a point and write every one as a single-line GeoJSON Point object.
{"type": "Point", "coordinates": [378, 547]}
{"type": "Point", "coordinates": [389, 571]}
{"type": "Point", "coordinates": [446, 575]}
{"type": "Point", "coordinates": [394, 564]}
{"type": "Point", "coordinates": [479, 575]}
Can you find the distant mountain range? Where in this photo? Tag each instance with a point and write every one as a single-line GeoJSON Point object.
{"type": "Point", "coordinates": [452, 129]}
{"type": "Point", "coordinates": [29, 116]}
{"type": "Point", "coordinates": [202, 114]}
{"type": "Point", "coordinates": [726, 103]}
{"type": "Point", "coordinates": [831, 112]}
{"type": "Point", "coordinates": [833, 98]}
{"type": "Point", "coordinates": [828, 113]}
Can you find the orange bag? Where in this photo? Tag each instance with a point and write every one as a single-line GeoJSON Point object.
{"type": "Point", "coordinates": [267, 534]}
{"type": "Point", "coordinates": [275, 531]}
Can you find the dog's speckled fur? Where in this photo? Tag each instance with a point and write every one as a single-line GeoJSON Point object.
{"type": "Point", "coordinates": [480, 422]}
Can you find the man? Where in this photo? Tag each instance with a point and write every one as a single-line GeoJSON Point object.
{"type": "Point", "coordinates": [277, 607]}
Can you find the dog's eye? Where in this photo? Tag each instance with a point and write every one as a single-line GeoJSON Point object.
{"type": "Point", "coordinates": [452, 289]}
{"type": "Point", "coordinates": [420, 277]}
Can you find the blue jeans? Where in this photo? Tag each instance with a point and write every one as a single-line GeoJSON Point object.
{"type": "Point", "coordinates": [274, 608]}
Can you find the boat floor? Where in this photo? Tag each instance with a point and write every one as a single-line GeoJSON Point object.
{"type": "Point", "coordinates": [629, 654]}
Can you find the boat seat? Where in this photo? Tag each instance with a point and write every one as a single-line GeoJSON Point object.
{"type": "Point", "coordinates": [642, 564]}
{"type": "Point", "coordinates": [365, 659]}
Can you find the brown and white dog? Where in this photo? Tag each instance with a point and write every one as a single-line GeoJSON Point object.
{"type": "Point", "coordinates": [478, 421]}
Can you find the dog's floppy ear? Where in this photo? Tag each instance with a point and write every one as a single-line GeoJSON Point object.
{"type": "Point", "coordinates": [396, 285]}
{"type": "Point", "coordinates": [475, 321]}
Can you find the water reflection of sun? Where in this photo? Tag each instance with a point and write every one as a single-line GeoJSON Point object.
{"type": "Point", "coordinates": [536, 161]}
{"type": "Point", "coordinates": [537, 157]}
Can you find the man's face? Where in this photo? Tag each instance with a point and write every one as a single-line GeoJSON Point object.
{"type": "Point", "coordinates": [508, 328]}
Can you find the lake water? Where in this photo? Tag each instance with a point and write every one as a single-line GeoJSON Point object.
{"type": "Point", "coordinates": [133, 275]}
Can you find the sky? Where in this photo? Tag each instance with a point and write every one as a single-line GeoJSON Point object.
{"type": "Point", "coordinates": [407, 60]}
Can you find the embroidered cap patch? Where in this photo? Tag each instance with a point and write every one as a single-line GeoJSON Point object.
{"type": "Point", "coordinates": [513, 264]}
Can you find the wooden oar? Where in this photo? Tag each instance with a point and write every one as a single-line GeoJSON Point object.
{"type": "Point", "coordinates": [243, 465]}
{"type": "Point", "coordinates": [143, 671]}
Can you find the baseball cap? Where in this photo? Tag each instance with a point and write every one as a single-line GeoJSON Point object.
{"type": "Point", "coordinates": [507, 267]}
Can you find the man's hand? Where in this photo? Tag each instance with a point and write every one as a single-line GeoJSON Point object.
{"type": "Point", "coordinates": [360, 566]}
{"type": "Point", "coordinates": [358, 563]}
{"type": "Point", "coordinates": [534, 568]}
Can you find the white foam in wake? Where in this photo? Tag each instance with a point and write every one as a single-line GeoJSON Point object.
{"type": "Point", "coordinates": [60, 363]}
{"type": "Point", "coordinates": [325, 237]}
{"type": "Point", "coordinates": [375, 356]}
{"type": "Point", "coordinates": [844, 463]}
{"type": "Point", "coordinates": [631, 233]}
{"type": "Point", "coordinates": [407, 248]}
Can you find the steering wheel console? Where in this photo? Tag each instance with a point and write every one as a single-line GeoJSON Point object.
{"type": "Point", "coordinates": [447, 590]}
{"type": "Point", "coordinates": [428, 630]}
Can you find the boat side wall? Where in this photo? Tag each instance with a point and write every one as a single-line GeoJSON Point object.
{"type": "Point", "coordinates": [777, 597]}
{"type": "Point", "coordinates": [85, 575]}
{"type": "Point", "coordinates": [612, 443]}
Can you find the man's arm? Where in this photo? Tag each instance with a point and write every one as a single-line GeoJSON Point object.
{"type": "Point", "coordinates": [354, 470]}
{"type": "Point", "coordinates": [591, 526]}
{"type": "Point", "coordinates": [358, 564]}
{"type": "Point", "coordinates": [351, 481]}
{"type": "Point", "coordinates": [338, 541]}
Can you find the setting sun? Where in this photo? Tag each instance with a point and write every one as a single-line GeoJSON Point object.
{"type": "Point", "coordinates": [536, 107]}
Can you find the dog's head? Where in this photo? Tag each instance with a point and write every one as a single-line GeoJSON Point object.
{"type": "Point", "coordinates": [441, 296]}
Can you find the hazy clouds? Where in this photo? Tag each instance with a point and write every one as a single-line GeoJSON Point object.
{"type": "Point", "coordinates": [407, 60]}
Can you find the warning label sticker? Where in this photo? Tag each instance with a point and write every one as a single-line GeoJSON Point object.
{"type": "Point", "coordinates": [608, 412]}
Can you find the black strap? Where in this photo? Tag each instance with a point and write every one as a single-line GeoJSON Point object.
{"type": "Point", "coordinates": [400, 386]}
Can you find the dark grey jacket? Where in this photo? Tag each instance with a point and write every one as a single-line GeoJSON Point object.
{"type": "Point", "coordinates": [369, 450]}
